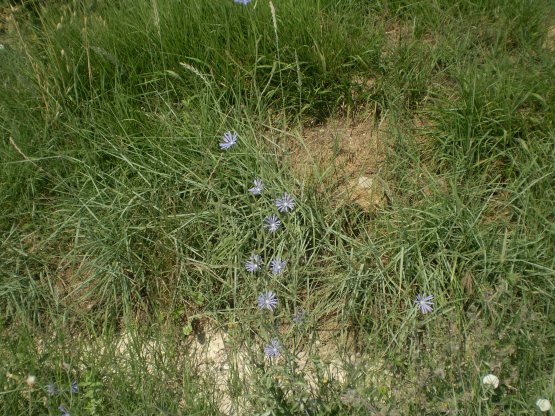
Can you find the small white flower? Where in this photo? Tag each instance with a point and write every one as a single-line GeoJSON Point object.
{"type": "Point", "coordinates": [491, 380]}
{"type": "Point", "coordinates": [544, 405]}
{"type": "Point", "coordinates": [31, 381]}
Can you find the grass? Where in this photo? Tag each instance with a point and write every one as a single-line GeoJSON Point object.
{"type": "Point", "coordinates": [125, 229]}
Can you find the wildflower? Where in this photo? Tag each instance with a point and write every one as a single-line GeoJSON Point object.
{"type": "Point", "coordinates": [491, 380]}
{"type": "Point", "coordinates": [243, 2]}
{"type": "Point", "coordinates": [267, 300]}
{"type": "Point", "coordinates": [272, 223]}
{"type": "Point", "coordinates": [272, 350]}
{"type": "Point", "coordinates": [51, 390]}
{"type": "Point", "coordinates": [74, 387]}
{"type": "Point", "coordinates": [257, 188]}
{"type": "Point", "coordinates": [253, 263]}
{"type": "Point", "coordinates": [298, 317]}
{"type": "Point", "coordinates": [424, 302]}
{"type": "Point", "coordinates": [64, 411]}
{"type": "Point", "coordinates": [31, 381]}
{"type": "Point", "coordinates": [229, 140]}
{"type": "Point", "coordinates": [277, 265]}
{"type": "Point", "coordinates": [285, 203]}
{"type": "Point", "coordinates": [544, 405]}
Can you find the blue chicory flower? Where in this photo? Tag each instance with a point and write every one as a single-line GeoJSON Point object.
{"type": "Point", "coordinates": [277, 265]}
{"type": "Point", "coordinates": [298, 317]}
{"type": "Point", "coordinates": [273, 349]}
{"type": "Point", "coordinates": [64, 411]}
{"type": "Point", "coordinates": [51, 389]}
{"type": "Point", "coordinates": [285, 203]}
{"type": "Point", "coordinates": [253, 263]}
{"type": "Point", "coordinates": [272, 223]}
{"type": "Point", "coordinates": [257, 188]}
{"type": "Point", "coordinates": [424, 302]}
{"type": "Point", "coordinates": [267, 300]}
{"type": "Point", "coordinates": [229, 139]}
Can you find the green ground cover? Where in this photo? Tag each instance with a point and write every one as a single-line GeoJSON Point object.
{"type": "Point", "coordinates": [125, 228]}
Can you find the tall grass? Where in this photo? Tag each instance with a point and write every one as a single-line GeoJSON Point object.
{"type": "Point", "coordinates": [125, 229]}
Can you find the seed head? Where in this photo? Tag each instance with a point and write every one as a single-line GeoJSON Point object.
{"type": "Point", "coordinates": [491, 380]}
{"type": "Point", "coordinates": [544, 405]}
{"type": "Point", "coordinates": [31, 381]}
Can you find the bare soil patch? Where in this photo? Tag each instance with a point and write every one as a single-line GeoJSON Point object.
{"type": "Point", "coordinates": [549, 42]}
{"type": "Point", "coordinates": [7, 24]}
{"type": "Point", "coordinates": [344, 158]}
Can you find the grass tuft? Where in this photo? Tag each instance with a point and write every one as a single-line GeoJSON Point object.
{"type": "Point", "coordinates": [125, 228]}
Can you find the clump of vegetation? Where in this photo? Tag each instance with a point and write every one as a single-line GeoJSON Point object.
{"type": "Point", "coordinates": [161, 253]}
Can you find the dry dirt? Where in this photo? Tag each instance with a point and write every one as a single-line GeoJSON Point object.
{"type": "Point", "coordinates": [7, 24]}
{"type": "Point", "coordinates": [549, 42]}
{"type": "Point", "coordinates": [344, 159]}
{"type": "Point", "coordinates": [222, 359]}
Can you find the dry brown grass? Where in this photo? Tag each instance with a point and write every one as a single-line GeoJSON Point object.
{"type": "Point", "coordinates": [344, 159]}
{"type": "Point", "coordinates": [549, 42]}
{"type": "Point", "coordinates": [7, 23]}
